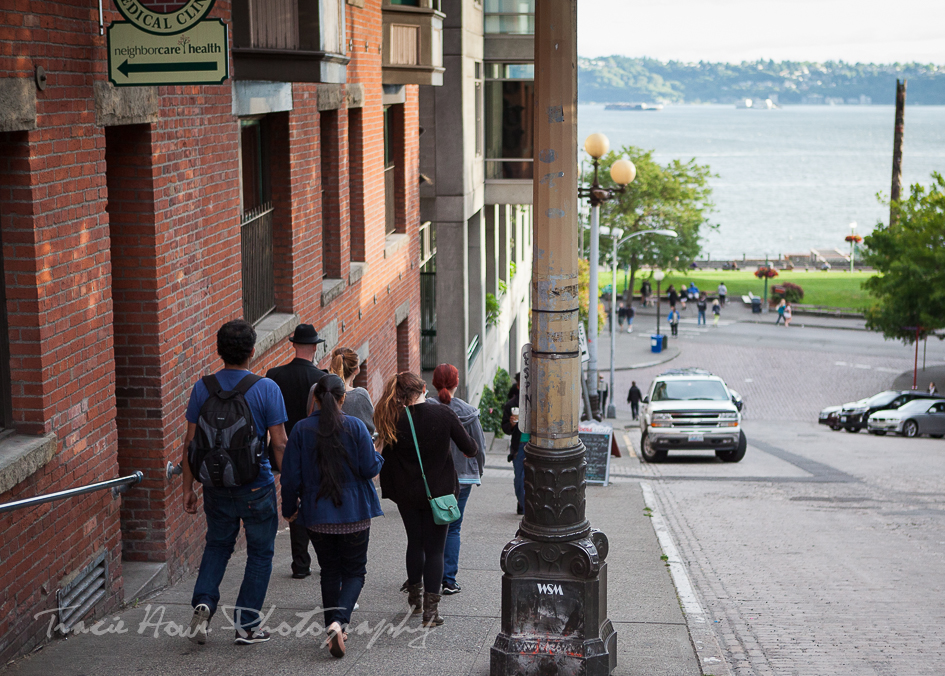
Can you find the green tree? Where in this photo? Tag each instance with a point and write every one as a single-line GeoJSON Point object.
{"type": "Point", "coordinates": [909, 254]}
{"type": "Point", "coordinates": [676, 197]}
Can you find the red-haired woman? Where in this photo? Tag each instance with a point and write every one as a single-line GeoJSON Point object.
{"type": "Point", "coordinates": [469, 470]}
{"type": "Point", "coordinates": [402, 481]}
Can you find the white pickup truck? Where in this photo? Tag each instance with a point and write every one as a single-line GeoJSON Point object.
{"type": "Point", "coordinates": [691, 409]}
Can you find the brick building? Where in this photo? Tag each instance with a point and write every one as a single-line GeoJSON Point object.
{"type": "Point", "coordinates": [136, 220]}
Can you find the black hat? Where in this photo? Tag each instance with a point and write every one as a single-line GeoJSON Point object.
{"type": "Point", "coordinates": [305, 334]}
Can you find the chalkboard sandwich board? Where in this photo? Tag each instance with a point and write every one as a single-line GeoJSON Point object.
{"type": "Point", "coordinates": [597, 440]}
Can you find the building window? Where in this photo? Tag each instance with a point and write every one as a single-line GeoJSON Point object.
{"type": "Point", "coordinates": [509, 17]}
{"type": "Point", "coordinates": [403, 346]}
{"type": "Point", "coordinates": [394, 185]}
{"type": "Point", "coordinates": [329, 149]}
{"type": "Point", "coordinates": [6, 389]}
{"type": "Point", "coordinates": [357, 246]}
{"type": "Point", "coordinates": [509, 120]}
{"type": "Point", "coordinates": [306, 25]}
{"type": "Point", "coordinates": [428, 360]}
{"type": "Point", "coordinates": [478, 102]}
{"type": "Point", "coordinates": [256, 220]}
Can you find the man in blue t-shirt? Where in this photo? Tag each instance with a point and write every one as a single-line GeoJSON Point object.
{"type": "Point", "coordinates": [252, 505]}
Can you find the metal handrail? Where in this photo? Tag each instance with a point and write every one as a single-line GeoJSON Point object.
{"type": "Point", "coordinates": [118, 486]}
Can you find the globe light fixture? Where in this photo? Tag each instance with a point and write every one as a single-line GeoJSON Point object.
{"type": "Point", "coordinates": [623, 172]}
{"type": "Point", "coordinates": [597, 145]}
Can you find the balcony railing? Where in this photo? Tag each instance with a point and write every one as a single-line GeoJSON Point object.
{"type": "Point", "coordinates": [413, 43]}
{"type": "Point", "coordinates": [259, 297]}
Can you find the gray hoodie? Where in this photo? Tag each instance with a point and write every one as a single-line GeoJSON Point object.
{"type": "Point", "coordinates": [467, 469]}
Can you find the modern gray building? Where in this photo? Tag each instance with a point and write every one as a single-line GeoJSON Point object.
{"type": "Point", "coordinates": [476, 193]}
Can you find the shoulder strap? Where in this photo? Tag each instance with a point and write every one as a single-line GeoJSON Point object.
{"type": "Point", "coordinates": [244, 385]}
{"type": "Point", "coordinates": [417, 446]}
{"type": "Point", "coordinates": [211, 383]}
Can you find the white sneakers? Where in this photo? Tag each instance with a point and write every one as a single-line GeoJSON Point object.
{"type": "Point", "coordinates": [199, 623]}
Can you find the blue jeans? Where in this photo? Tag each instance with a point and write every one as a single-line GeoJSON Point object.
{"type": "Point", "coordinates": [343, 563]}
{"type": "Point", "coordinates": [451, 553]}
{"type": "Point", "coordinates": [701, 319]}
{"type": "Point", "coordinates": [518, 464]}
{"type": "Point", "coordinates": [226, 508]}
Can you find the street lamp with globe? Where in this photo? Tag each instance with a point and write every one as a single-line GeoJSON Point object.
{"type": "Point", "coordinates": [622, 172]}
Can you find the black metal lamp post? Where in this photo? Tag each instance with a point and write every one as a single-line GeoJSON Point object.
{"type": "Point", "coordinates": [658, 276]}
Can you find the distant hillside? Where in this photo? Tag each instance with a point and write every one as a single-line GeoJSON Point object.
{"type": "Point", "coordinates": [620, 78]}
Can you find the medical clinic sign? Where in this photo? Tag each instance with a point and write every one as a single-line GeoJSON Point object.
{"type": "Point", "coordinates": [167, 47]}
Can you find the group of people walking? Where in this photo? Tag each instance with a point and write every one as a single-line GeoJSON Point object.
{"type": "Point", "coordinates": [678, 300]}
{"type": "Point", "coordinates": [784, 313]}
{"type": "Point", "coordinates": [330, 442]}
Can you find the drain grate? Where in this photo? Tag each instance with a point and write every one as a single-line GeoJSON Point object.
{"type": "Point", "coordinates": [82, 593]}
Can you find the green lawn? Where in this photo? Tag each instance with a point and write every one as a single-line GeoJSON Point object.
{"type": "Point", "coordinates": [834, 289]}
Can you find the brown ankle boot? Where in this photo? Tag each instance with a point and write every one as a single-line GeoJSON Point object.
{"type": "Point", "coordinates": [415, 597]}
{"type": "Point", "coordinates": [431, 618]}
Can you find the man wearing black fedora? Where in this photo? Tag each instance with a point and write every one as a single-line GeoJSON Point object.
{"type": "Point", "coordinates": [295, 379]}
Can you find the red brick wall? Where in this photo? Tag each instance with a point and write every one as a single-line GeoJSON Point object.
{"type": "Point", "coordinates": [122, 258]}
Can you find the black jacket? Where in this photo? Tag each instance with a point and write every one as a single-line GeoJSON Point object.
{"type": "Point", "coordinates": [634, 395]}
{"type": "Point", "coordinates": [295, 379]}
{"type": "Point", "coordinates": [507, 426]}
{"type": "Point", "coordinates": [436, 425]}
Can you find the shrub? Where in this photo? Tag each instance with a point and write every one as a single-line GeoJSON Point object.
{"type": "Point", "coordinates": [492, 402]}
{"type": "Point", "coordinates": [792, 293]}
{"type": "Point", "coordinates": [493, 310]}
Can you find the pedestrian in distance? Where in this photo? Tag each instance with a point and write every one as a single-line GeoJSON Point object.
{"type": "Point", "coordinates": [672, 296]}
{"type": "Point", "coordinates": [517, 441]}
{"type": "Point", "coordinates": [645, 291]}
{"type": "Point", "coordinates": [722, 292]}
{"type": "Point", "coordinates": [787, 315]}
{"type": "Point", "coordinates": [932, 388]}
{"type": "Point", "coordinates": [327, 489]}
{"type": "Point", "coordinates": [228, 417]}
{"type": "Point", "coordinates": [468, 470]}
{"type": "Point", "coordinates": [346, 364]}
{"type": "Point", "coordinates": [417, 459]}
{"type": "Point", "coordinates": [634, 396]}
{"type": "Point", "coordinates": [603, 391]}
{"type": "Point", "coordinates": [295, 380]}
{"type": "Point", "coordinates": [630, 312]}
{"type": "Point", "coordinates": [701, 306]}
{"type": "Point", "coordinates": [781, 309]}
{"type": "Point", "coordinates": [673, 319]}
{"type": "Point", "coordinates": [716, 311]}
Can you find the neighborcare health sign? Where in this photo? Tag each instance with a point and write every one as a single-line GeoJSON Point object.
{"type": "Point", "coordinates": [170, 48]}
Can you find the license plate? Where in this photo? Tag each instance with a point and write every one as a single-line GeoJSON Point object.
{"type": "Point", "coordinates": [695, 437]}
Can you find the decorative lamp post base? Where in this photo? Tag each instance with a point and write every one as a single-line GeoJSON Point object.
{"type": "Point", "coordinates": [611, 411]}
{"type": "Point", "coordinates": [558, 595]}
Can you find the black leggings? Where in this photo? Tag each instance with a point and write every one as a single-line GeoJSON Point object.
{"type": "Point", "coordinates": [425, 544]}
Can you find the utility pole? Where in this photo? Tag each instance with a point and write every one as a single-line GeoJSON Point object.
{"type": "Point", "coordinates": [896, 189]}
{"type": "Point", "coordinates": [554, 584]}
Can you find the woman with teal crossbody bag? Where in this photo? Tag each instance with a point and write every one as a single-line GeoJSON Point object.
{"type": "Point", "coordinates": [419, 476]}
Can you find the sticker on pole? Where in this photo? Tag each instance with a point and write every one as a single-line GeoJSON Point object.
{"type": "Point", "coordinates": [582, 343]}
{"type": "Point", "coordinates": [526, 391]}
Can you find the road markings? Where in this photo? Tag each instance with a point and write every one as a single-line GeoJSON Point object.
{"type": "Point", "coordinates": [703, 636]}
{"type": "Point", "coordinates": [626, 439]}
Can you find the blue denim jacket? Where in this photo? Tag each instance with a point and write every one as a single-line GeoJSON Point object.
{"type": "Point", "coordinates": [301, 476]}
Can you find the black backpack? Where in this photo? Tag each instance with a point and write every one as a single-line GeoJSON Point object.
{"type": "Point", "coordinates": [226, 450]}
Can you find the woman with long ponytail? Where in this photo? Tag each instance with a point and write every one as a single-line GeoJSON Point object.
{"type": "Point", "coordinates": [402, 481]}
{"type": "Point", "coordinates": [346, 364]}
{"type": "Point", "coordinates": [469, 470]}
{"type": "Point", "coordinates": [327, 473]}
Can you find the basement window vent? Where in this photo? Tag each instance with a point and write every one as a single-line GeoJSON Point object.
{"type": "Point", "coordinates": [82, 593]}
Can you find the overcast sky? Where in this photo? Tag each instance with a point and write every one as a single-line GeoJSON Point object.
{"type": "Point", "coordinates": [735, 30]}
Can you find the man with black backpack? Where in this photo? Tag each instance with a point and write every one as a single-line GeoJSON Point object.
{"type": "Point", "coordinates": [295, 379]}
{"type": "Point", "coordinates": [228, 417]}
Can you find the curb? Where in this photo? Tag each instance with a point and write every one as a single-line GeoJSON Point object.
{"type": "Point", "coordinates": [701, 633]}
{"type": "Point", "coordinates": [809, 326]}
{"type": "Point", "coordinates": [643, 365]}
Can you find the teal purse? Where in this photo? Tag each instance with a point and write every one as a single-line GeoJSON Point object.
{"type": "Point", "coordinates": [445, 508]}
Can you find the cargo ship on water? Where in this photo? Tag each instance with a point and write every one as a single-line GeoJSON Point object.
{"type": "Point", "coordinates": [634, 106]}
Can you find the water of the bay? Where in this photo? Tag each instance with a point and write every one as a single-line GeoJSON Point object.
{"type": "Point", "coordinates": [790, 179]}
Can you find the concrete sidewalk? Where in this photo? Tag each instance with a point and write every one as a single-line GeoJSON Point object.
{"type": "Point", "coordinates": [652, 634]}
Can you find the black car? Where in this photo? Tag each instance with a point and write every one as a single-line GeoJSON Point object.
{"type": "Point", "coordinates": [853, 416]}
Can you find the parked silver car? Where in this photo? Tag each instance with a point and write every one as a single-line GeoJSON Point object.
{"type": "Point", "coordinates": [920, 416]}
